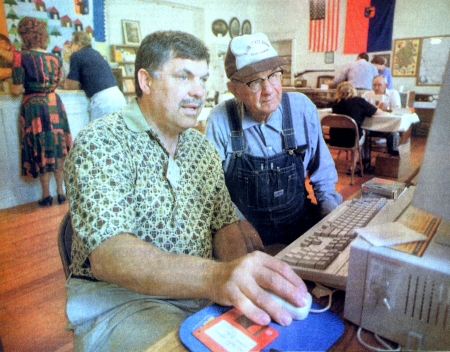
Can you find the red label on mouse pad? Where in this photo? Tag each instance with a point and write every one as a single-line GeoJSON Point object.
{"type": "Point", "coordinates": [234, 332]}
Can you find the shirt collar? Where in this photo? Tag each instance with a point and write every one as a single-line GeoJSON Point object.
{"type": "Point", "coordinates": [136, 122]}
{"type": "Point", "coordinates": [275, 119]}
{"type": "Point", "coordinates": [133, 117]}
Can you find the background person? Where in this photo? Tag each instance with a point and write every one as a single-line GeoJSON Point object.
{"type": "Point", "coordinates": [387, 100]}
{"type": "Point", "coordinates": [45, 133]}
{"type": "Point", "coordinates": [90, 72]}
{"type": "Point", "coordinates": [380, 64]}
{"type": "Point", "coordinates": [381, 96]}
{"type": "Point", "coordinates": [6, 57]}
{"type": "Point", "coordinates": [359, 73]}
{"type": "Point", "coordinates": [348, 103]}
{"type": "Point", "coordinates": [268, 142]}
{"type": "Point", "coordinates": [150, 212]}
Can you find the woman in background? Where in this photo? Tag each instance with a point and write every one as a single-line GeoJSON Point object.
{"type": "Point", "coordinates": [45, 137]}
{"type": "Point", "coordinates": [348, 103]}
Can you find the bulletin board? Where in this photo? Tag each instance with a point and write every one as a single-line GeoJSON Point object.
{"type": "Point", "coordinates": [434, 54]}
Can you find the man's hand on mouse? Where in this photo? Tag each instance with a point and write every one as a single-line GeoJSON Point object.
{"type": "Point", "coordinates": [244, 283]}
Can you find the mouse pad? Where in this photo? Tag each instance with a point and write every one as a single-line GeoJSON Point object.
{"type": "Point", "coordinates": [318, 332]}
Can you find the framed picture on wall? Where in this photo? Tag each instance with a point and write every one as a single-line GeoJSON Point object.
{"type": "Point", "coordinates": [131, 32]}
{"type": "Point", "coordinates": [329, 57]}
{"type": "Point", "coordinates": [406, 57]}
{"type": "Point", "coordinates": [433, 58]}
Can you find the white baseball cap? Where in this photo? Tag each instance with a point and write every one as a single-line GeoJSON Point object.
{"type": "Point", "coordinates": [249, 54]}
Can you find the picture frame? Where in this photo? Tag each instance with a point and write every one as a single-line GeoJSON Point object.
{"type": "Point", "coordinates": [434, 52]}
{"type": "Point", "coordinates": [131, 32]}
{"type": "Point", "coordinates": [405, 57]}
{"type": "Point", "coordinates": [329, 57]}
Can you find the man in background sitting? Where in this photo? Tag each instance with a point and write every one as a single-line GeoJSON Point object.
{"type": "Point", "coordinates": [382, 97]}
{"type": "Point", "coordinates": [386, 100]}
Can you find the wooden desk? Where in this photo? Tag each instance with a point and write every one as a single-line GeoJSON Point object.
{"type": "Point", "coordinates": [347, 342]}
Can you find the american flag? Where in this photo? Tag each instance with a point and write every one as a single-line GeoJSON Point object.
{"type": "Point", "coordinates": [323, 25]}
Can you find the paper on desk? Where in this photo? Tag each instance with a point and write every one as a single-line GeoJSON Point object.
{"type": "Point", "coordinates": [389, 234]}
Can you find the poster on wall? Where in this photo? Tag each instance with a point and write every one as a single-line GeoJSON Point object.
{"type": "Point", "coordinates": [62, 17]}
{"type": "Point", "coordinates": [406, 56]}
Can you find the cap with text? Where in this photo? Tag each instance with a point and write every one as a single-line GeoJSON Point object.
{"type": "Point", "coordinates": [249, 54]}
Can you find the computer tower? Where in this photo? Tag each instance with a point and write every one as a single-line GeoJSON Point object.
{"type": "Point", "coordinates": [400, 296]}
{"type": "Point", "coordinates": [406, 297]}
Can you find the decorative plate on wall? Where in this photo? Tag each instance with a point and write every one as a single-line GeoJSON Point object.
{"type": "Point", "coordinates": [219, 27]}
{"type": "Point", "coordinates": [246, 27]}
{"type": "Point", "coordinates": [235, 27]}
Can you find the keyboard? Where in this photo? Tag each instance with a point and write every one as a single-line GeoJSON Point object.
{"type": "Point", "coordinates": [321, 254]}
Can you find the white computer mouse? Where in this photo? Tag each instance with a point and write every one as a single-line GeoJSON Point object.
{"type": "Point", "coordinates": [297, 313]}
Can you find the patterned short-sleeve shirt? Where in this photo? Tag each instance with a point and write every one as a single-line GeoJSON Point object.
{"type": "Point", "coordinates": [120, 179]}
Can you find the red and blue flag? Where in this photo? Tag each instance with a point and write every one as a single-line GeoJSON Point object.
{"type": "Point", "coordinates": [368, 26]}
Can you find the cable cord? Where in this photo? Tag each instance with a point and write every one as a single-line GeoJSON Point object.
{"type": "Point", "coordinates": [330, 301]}
{"type": "Point", "coordinates": [387, 347]}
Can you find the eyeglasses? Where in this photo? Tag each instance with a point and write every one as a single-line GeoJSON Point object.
{"type": "Point", "coordinates": [256, 85]}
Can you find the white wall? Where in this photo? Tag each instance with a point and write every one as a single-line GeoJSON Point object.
{"type": "Point", "coordinates": [280, 19]}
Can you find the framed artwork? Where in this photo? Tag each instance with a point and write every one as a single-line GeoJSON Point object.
{"type": "Point", "coordinates": [406, 57]}
{"type": "Point", "coordinates": [433, 58]}
{"type": "Point", "coordinates": [234, 27]}
{"type": "Point", "coordinates": [329, 57]}
{"type": "Point", "coordinates": [246, 27]}
{"type": "Point", "coordinates": [131, 32]}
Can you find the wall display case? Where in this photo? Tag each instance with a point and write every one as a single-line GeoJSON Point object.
{"type": "Point", "coordinates": [124, 56]}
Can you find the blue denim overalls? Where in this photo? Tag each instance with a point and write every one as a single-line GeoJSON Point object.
{"type": "Point", "coordinates": [270, 192]}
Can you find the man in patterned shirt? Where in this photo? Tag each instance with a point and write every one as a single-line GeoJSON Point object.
{"type": "Point", "coordinates": [156, 236]}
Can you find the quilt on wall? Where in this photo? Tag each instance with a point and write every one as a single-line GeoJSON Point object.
{"type": "Point", "coordinates": [63, 17]}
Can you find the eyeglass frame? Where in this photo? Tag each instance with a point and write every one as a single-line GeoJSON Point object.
{"type": "Point", "coordinates": [259, 86]}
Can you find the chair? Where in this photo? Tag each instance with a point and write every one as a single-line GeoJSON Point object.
{"type": "Point", "coordinates": [65, 242]}
{"type": "Point", "coordinates": [337, 121]}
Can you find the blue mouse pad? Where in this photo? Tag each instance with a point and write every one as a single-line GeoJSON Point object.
{"type": "Point", "coordinates": [318, 332]}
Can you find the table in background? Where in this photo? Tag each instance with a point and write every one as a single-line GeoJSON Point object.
{"type": "Point", "coordinates": [397, 121]}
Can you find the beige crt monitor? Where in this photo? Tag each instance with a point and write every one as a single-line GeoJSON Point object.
{"type": "Point", "coordinates": [406, 297]}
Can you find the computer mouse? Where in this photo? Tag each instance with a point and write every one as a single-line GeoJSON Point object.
{"type": "Point", "coordinates": [297, 313]}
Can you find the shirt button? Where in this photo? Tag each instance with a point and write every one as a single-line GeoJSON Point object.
{"type": "Point", "coordinates": [269, 148]}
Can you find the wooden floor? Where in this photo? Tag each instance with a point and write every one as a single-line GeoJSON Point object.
{"type": "Point", "coordinates": [32, 293]}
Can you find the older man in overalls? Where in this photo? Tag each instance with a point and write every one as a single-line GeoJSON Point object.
{"type": "Point", "coordinates": [270, 142]}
